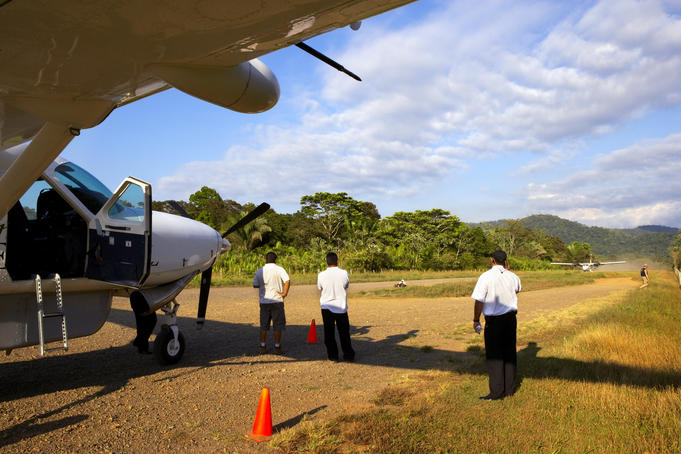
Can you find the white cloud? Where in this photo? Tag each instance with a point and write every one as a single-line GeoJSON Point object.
{"type": "Point", "coordinates": [627, 187]}
{"type": "Point", "coordinates": [468, 82]}
{"type": "Point", "coordinates": [553, 159]}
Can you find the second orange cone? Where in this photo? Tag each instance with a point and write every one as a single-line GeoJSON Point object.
{"type": "Point", "coordinates": [312, 335]}
{"type": "Point", "coordinates": [262, 425]}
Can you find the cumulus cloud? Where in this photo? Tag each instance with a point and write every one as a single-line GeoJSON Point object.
{"type": "Point", "coordinates": [467, 82]}
{"type": "Point", "coordinates": [627, 187]}
{"type": "Point", "coordinates": [551, 160]}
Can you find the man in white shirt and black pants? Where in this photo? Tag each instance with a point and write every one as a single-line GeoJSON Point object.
{"type": "Point", "coordinates": [495, 297]}
{"type": "Point", "coordinates": [333, 283]}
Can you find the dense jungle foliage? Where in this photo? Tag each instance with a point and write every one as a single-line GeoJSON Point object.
{"type": "Point", "coordinates": [421, 240]}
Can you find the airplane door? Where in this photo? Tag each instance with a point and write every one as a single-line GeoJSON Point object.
{"type": "Point", "coordinates": [119, 237]}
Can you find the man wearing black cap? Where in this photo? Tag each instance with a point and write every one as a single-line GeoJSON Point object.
{"type": "Point", "coordinates": [495, 297]}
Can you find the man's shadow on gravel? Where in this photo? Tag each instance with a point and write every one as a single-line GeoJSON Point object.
{"type": "Point", "coordinates": [234, 345]}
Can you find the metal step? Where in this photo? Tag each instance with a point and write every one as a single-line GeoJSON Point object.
{"type": "Point", "coordinates": [42, 315]}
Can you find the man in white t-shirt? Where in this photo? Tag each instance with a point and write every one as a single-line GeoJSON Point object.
{"type": "Point", "coordinates": [495, 297]}
{"type": "Point", "coordinates": [273, 284]}
{"type": "Point", "coordinates": [333, 283]}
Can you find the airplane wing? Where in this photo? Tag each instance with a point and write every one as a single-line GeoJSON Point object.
{"type": "Point", "coordinates": [570, 264]}
{"type": "Point", "coordinates": [65, 66]}
{"type": "Point", "coordinates": [609, 263]}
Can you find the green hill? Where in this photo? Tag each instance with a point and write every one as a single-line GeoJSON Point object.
{"type": "Point", "coordinates": [643, 241]}
{"type": "Point", "coordinates": [658, 228]}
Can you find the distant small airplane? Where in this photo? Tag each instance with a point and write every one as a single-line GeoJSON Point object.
{"type": "Point", "coordinates": [587, 266]}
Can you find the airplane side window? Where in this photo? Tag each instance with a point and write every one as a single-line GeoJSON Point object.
{"type": "Point", "coordinates": [45, 235]}
{"type": "Point", "coordinates": [29, 201]}
{"type": "Point", "coordinates": [129, 206]}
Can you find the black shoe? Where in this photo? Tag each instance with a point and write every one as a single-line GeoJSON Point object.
{"type": "Point", "coordinates": [489, 397]}
{"type": "Point", "coordinates": [335, 360]}
{"type": "Point", "coordinates": [349, 360]}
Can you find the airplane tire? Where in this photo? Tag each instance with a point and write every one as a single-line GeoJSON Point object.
{"type": "Point", "coordinates": [166, 349]}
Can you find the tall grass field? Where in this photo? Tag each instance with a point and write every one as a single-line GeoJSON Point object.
{"type": "Point", "coordinates": [602, 377]}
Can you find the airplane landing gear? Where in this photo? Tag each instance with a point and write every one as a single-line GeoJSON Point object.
{"type": "Point", "coordinates": [169, 343]}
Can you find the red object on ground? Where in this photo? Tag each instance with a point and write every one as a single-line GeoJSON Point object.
{"type": "Point", "coordinates": [262, 425]}
{"type": "Point", "coordinates": [312, 335]}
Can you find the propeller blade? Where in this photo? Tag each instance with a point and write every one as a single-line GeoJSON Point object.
{"type": "Point", "coordinates": [327, 60]}
{"type": "Point", "coordinates": [257, 211]}
{"type": "Point", "coordinates": [177, 207]}
{"type": "Point", "coordinates": [203, 297]}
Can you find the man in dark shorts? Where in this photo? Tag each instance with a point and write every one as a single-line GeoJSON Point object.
{"type": "Point", "coordinates": [272, 283]}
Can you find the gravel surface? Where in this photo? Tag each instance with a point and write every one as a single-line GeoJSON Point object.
{"type": "Point", "coordinates": [102, 396]}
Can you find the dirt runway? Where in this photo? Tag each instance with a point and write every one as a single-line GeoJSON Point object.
{"type": "Point", "coordinates": [102, 396]}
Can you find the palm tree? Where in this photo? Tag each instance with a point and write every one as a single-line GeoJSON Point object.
{"type": "Point", "coordinates": [250, 235]}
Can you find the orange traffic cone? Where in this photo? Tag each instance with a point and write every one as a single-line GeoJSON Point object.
{"type": "Point", "coordinates": [262, 426]}
{"type": "Point", "coordinates": [312, 335]}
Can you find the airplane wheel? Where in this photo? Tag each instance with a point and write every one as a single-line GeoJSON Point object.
{"type": "Point", "coordinates": [166, 349]}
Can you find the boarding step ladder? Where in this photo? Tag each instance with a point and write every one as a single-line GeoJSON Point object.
{"type": "Point", "coordinates": [58, 313]}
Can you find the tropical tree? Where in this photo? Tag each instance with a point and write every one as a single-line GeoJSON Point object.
{"type": "Point", "coordinates": [471, 246]}
{"type": "Point", "coordinates": [248, 236]}
{"type": "Point", "coordinates": [579, 252]}
{"type": "Point", "coordinates": [675, 250]}
{"type": "Point", "coordinates": [420, 237]}
{"type": "Point", "coordinates": [206, 205]}
{"type": "Point", "coordinates": [333, 211]}
{"type": "Point", "coordinates": [511, 235]}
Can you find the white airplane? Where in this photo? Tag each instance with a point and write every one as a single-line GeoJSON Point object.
{"type": "Point", "coordinates": [65, 66]}
{"type": "Point", "coordinates": [587, 266]}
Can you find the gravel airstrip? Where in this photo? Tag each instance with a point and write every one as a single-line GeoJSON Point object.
{"type": "Point", "coordinates": [103, 396]}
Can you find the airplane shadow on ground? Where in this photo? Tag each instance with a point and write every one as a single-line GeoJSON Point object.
{"type": "Point", "coordinates": [232, 344]}
{"type": "Point", "coordinates": [221, 344]}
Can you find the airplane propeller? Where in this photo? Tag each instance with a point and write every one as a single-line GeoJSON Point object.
{"type": "Point", "coordinates": [206, 276]}
{"type": "Point", "coordinates": [177, 207]}
{"type": "Point", "coordinates": [256, 212]}
{"type": "Point", "coordinates": [204, 290]}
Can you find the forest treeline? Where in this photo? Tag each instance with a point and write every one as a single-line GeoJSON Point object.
{"type": "Point", "coordinates": [431, 239]}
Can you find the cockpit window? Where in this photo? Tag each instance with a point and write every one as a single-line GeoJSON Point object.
{"type": "Point", "coordinates": [89, 190]}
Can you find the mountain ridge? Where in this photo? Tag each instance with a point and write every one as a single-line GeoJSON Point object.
{"type": "Point", "coordinates": [642, 240]}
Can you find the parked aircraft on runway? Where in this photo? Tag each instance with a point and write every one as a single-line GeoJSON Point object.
{"type": "Point", "coordinates": [65, 66]}
{"type": "Point", "coordinates": [587, 266]}
{"type": "Point", "coordinates": [94, 244]}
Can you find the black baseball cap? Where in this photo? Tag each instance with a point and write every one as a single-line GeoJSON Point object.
{"type": "Point", "coordinates": [499, 256]}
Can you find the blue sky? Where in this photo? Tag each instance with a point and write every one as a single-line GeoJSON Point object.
{"type": "Point", "coordinates": [487, 109]}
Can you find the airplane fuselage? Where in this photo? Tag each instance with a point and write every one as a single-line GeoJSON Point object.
{"type": "Point", "coordinates": [101, 244]}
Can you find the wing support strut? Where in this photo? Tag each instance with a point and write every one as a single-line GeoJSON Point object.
{"type": "Point", "coordinates": [327, 60]}
{"type": "Point", "coordinates": [43, 149]}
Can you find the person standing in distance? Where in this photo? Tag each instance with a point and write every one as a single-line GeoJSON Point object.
{"type": "Point", "coordinates": [333, 283]}
{"type": "Point", "coordinates": [495, 296]}
{"type": "Point", "coordinates": [273, 284]}
{"type": "Point", "coordinates": [644, 276]}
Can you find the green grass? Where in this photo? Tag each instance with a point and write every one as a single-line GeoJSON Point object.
{"type": "Point", "coordinates": [531, 280]}
{"type": "Point", "coordinates": [551, 278]}
{"type": "Point", "coordinates": [230, 279]}
{"type": "Point", "coordinates": [602, 376]}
